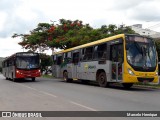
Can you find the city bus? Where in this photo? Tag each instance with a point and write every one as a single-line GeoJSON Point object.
{"type": "Point", "coordinates": [22, 65]}
{"type": "Point", "coordinates": [123, 58]}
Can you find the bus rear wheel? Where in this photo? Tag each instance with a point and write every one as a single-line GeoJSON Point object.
{"type": "Point", "coordinates": [65, 77]}
{"type": "Point", "coordinates": [102, 80]}
{"type": "Point", "coordinates": [127, 85]}
{"type": "Point", "coordinates": [14, 79]}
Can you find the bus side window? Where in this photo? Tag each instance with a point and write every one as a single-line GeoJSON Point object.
{"type": "Point", "coordinates": [88, 53]}
{"type": "Point", "coordinates": [120, 53]}
{"type": "Point", "coordinates": [95, 54]}
{"type": "Point", "coordinates": [114, 53]}
{"type": "Point", "coordinates": [117, 53]}
{"type": "Point", "coordinates": [59, 60]}
{"type": "Point", "coordinates": [100, 51]}
{"type": "Point", "coordinates": [6, 63]}
{"type": "Point", "coordinates": [9, 63]}
{"type": "Point", "coordinates": [69, 56]}
{"type": "Point", "coordinates": [75, 58]}
{"type": "Point", "coordinates": [3, 64]}
{"type": "Point", "coordinates": [82, 54]}
{"type": "Point", "coordinates": [103, 48]}
{"type": "Point", "coordinates": [14, 61]}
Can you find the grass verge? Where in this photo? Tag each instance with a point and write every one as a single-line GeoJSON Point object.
{"type": "Point", "coordinates": [47, 76]}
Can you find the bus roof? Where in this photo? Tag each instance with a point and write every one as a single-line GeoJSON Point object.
{"type": "Point", "coordinates": [92, 43]}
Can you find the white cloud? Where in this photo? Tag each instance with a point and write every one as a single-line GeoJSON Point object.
{"type": "Point", "coordinates": [9, 46]}
{"type": "Point", "coordinates": [150, 11]}
{"type": "Point", "coordinates": [3, 19]}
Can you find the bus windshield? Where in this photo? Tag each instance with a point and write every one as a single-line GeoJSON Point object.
{"type": "Point", "coordinates": [27, 62]}
{"type": "Point", "coordinates": [141, 52]}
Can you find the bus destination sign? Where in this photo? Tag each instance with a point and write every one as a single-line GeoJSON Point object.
{"type": "Point", "coordinates": [26, 54]}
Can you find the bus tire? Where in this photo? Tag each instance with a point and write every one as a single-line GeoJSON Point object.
{"type": "Point", "coordinates": [33, 79]}
{"type": "Point", "coordinates": [102, 79]}
{"type": "Point", "coordinates": [127, 85]}
{"type": "Point", "coordinates": [65, 77]}
{"type": "Point", "coordinates": [14, 79]}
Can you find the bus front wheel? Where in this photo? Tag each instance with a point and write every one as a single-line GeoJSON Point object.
{"type": "Point", "coordinates": [33, 79]}
{"type": "Point", "coordinates": [127, 85]}
{"type": "Point", "coordinates": [14, 79]}
{"type": "Point", "coordinates": [102, 80]}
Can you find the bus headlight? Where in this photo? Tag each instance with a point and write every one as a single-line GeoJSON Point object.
{"type": "Point", "coordinates": [17, 71]}
{"type": "Point", "coordinates": [156, 73]}
{"type": "Point", "coordinates": [130, 71]}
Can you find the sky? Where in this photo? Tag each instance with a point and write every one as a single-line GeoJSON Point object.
{"type": "Point", "coordinates": [22, 16]}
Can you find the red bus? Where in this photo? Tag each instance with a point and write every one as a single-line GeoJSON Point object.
{"type": "Point", "coordinates": [21, 65]}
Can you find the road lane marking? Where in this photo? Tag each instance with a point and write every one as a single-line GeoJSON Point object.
{"type": "Point", "coordinates": [48, 94]}
{"type": "Point", "coordinates": [29, 87]}
{"type": "Point", "coordinates": [38, 90]}
{"type": "Point", "coordinates": [89, 108]}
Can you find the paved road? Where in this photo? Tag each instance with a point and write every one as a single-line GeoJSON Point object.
{"type": "Point", "coordinates": [56, 95]}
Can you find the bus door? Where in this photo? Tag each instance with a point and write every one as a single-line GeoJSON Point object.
{"type": "Point", "coordinates": [116, 57]}
{"type": "Point", "coordinates": [58, 65]}
{"type": "Point", "coordinates": [75, 63]}
{"type": "Point", "coordinates": [54, 71]}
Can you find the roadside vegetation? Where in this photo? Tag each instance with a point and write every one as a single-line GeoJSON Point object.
{"type": "Point", "coordinates": [46, 63]}
{"type": "Point", "coordinates": [47, 76]}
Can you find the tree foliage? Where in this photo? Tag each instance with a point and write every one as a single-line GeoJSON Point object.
{"type": "Point", "coordinates": [66, 34]}
{"type": "Point", "coordinates": [45, 61]}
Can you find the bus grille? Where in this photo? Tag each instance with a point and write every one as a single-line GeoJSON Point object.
{"type": "Point", "coordinates": [140, 79]}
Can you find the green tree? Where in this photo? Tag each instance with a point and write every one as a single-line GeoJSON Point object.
{"type": "Point", "coordinates": [66, 34]}
{"type": "Point", "coordinates": [46, 61]}
{"type": "Point", "coordinates": [36, 39]}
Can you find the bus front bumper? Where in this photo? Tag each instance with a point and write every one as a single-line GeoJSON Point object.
{"type": "Point", "coordinates": [27, 74]}
{"type": "Point", "coordinates": [135, 79]}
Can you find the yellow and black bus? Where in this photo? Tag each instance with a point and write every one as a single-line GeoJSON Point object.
{"type": "Point", "coordinates": [123, 58]}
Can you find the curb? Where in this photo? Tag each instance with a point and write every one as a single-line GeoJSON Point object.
{"type": "Point", "coordinates": [145, 86]}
